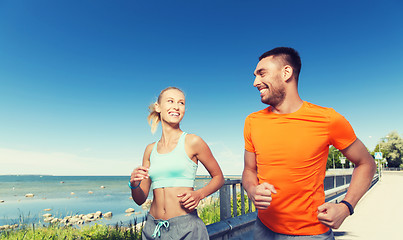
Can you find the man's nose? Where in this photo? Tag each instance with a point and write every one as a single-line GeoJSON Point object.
{"type": "Point", "coordinates": [256, 82]}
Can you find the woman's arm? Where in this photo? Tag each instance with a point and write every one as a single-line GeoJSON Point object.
{"type": "Point", "coordinates": [198, 149]}
{"type": "Point", "coordinates": [140, 178]}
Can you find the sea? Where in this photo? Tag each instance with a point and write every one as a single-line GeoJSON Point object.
{"type": "Point", "coordinates": [68, 196]}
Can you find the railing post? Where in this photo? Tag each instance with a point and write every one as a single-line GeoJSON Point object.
{"type": "Point", "coordinates": [234, 200]}
{"type": "Point", "coordinates": [334, 181]}
{"type": "Point", "coordinates": [225, 202]}
{"type": "Point", "coordinates": [242, 200]}
{"type": "Point", "coordinates": [249, 205]}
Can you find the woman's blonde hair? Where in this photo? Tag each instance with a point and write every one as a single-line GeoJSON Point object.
{"type": "Point", "coordinates": [154, 117]}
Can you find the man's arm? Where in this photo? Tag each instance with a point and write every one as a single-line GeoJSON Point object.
{"type": "Point", "coordinates": [260, 194]}
{"type": "Point", "coordinates": [332, 214]}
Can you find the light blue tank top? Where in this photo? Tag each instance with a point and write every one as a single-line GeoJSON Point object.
{"type": "Point", "coordinates": [173, 169]}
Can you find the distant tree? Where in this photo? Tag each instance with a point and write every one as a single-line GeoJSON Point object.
{"type": "Point", "coordinates": [392, 149]}
{"type": "Point", "coordinates": [334, 155]}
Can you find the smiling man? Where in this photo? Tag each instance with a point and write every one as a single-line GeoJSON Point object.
{"type": "Point", "coordinates": [286, 149]}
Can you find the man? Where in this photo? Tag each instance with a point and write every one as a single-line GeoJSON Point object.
{"type": "Point", "coordinates": [286, 149]}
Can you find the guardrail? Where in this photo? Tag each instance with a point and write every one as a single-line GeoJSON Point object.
{"type": "Point", "coordinates": [392, 169]}
{"type": "Point", "coordinates": [233, 226]}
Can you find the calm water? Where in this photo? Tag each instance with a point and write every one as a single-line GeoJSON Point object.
{"type": "Point", "coordinates": [54, 192]}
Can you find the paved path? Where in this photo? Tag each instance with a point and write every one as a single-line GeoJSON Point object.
{"type": "Point", "coordinates": [379, 214]}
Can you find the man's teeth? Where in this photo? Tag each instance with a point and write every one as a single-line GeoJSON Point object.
{"type": "Point", "coordinates": [263, 90]}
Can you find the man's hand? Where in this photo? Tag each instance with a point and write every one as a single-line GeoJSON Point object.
{"type": "Point", "coordinates": [262, 195]}
{"type": "Point", "coordinates": [332, 215]}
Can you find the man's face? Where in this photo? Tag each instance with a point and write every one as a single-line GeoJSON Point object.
{"type": "Point", "coordinates": [269, 82]}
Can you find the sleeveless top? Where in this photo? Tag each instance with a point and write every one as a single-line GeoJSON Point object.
{"type": "Point", "coordinates": [173, 169]}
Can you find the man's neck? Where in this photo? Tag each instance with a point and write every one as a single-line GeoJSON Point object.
{"type": "Point", "coordinates": [288, 106]}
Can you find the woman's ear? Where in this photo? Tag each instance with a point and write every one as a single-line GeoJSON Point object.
{"type": "Point", "coordinates": [157, 108]}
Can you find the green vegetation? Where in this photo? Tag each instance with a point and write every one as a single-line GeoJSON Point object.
{"type": "Point", "coordinates": [391, 147]}
{"type": "Point", "coordinates": [333, 159]}
{"type": "Point", "coordinates": [57, 231]}
{"type": "Point", "coordinates": [211, 212]}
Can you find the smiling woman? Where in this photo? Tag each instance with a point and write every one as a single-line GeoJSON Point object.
{"type": "Point", "coordinates": [155, 113]}
{"type": "Point", "coordinates": [170, 165]}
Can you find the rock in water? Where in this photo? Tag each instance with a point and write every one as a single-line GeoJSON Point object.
{"type": "Point", "coordinates": [129, 210]}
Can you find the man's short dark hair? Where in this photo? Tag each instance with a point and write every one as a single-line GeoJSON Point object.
{"type": "Point", "coordinates": [289, 55]}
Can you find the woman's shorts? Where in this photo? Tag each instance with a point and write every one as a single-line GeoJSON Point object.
{"type": "Point", "coordinates": [189, 227]}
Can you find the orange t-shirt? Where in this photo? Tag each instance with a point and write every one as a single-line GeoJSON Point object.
{"type": "Point", "coordinates": [291, 154]}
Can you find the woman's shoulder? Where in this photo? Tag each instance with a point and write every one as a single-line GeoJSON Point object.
{"type": "Point", "coordinates": [150, 147]}
{"type": "Point", "coordinates": [193, 139]}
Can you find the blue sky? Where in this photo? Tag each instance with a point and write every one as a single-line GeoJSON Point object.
{"type": "Point", "coordinates": [76, 77]}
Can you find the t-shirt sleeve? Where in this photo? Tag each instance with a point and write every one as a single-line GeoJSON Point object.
{"type": "Point", "coordinates": [341, 133]}
{"type": "Point", "coordinates": [247, 135]}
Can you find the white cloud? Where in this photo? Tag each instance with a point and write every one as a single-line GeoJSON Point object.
{"type": "Point", "coordinates": [230, 160]}
{"type": "Point", "coordinates": [57, 163]}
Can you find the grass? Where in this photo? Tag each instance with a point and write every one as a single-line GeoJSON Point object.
{"type": "Point", "coordinates": [57, 231]}
{"type": "Point", "coordinates": [211, 213]}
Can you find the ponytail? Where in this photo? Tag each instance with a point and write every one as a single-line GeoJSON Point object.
{"type": "Point", "coordinates": [153, 118]}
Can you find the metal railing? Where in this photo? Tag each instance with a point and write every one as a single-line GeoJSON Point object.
{"type": "Point", "coordinates": [233, 226]}
{"type": "Point", "coordinates": [230, 223]}
{"type": "Point", "coordinates": [225, 199]}
{"type": "Point", "coordinates": [392, 169]}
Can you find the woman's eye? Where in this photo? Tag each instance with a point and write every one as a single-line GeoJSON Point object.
{"type": "Point", "coordinates": [182, 103]}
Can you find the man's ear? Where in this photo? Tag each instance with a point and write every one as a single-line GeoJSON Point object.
{"type": "Point", "coordinates": [287, 72]}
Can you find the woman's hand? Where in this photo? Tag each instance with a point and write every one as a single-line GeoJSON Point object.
{"type": "Point", "coordinates": [190, 200]}
{"type": "Point", "coordinates": [138, 174]}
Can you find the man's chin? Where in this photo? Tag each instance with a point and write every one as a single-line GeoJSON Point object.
{"type": "Point", "coordinates": [265, 101]}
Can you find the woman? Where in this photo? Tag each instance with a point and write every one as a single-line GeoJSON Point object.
{"type": "Point", "coordinates": [169, 166]}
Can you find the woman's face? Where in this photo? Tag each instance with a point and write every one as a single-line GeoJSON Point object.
{"type": "Point", "coordinates": [171, 106]}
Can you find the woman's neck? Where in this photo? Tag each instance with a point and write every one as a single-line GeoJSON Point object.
{"type": "Point", "coordinates": [170, 134]}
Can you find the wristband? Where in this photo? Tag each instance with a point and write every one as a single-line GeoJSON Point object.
{"type": "Point", "coordinates": [350, 208]}
{"type": "Point", "coordinates": [130, 185]}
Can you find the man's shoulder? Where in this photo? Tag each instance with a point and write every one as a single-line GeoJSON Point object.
{"type": "Point", "coordinates": [259, 113]}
